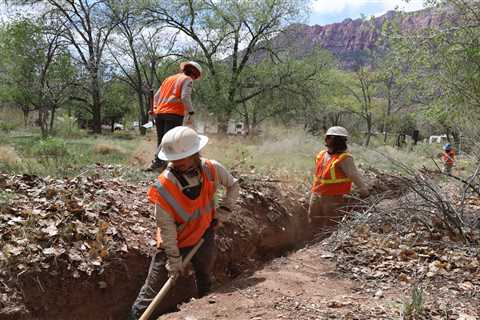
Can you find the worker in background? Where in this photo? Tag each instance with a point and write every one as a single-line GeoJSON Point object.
{"type": "Point", "coordinates": [448, 158]}
{"type": "Point", "coordinates": [334, 173]}
{"type": "Point", "coordinates": [185, 212]}
{"type": "Point", "coordinates": [172, 105]}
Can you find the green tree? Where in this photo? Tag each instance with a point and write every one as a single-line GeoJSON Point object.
{"type": "Point", "coordinates": [239, 30]}
{"type": "Point", "coordinates": [137, 52]}
{"type": "Point", "coordinates": [38, 79]}
{"type": "Point", "coordinates": [88, 26]}
{"type": "Point", "coordinates": [118, 102]}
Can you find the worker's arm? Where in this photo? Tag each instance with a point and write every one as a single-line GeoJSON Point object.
{"type": "Point", "coordinates": [350, 170]}
{"type": "Point", "coordinates": [156, 98]}
{"type": "Point", "coordinates": [225, 178]}
{"type": "Point", "coordinates": [186, 95]}
{"type": "Point", "coordinates": [168, 229]}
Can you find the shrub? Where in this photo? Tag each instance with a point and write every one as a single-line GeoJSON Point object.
{"type": "Point", "coordinates": [7, 126]}
{"type": "Point", "coordinates": [67, 127]}
{"type": "Point", "coordinates": [8, 157]}
{"type": "Point", "coordinates": [122, 134]}
{"type": "Point", "coordinates": [51, 148]}
{"type": "Point", "coordinates": [107, 149]}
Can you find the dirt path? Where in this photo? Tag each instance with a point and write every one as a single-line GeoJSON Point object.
{"type": "Point", "coordinates": [303, 285]}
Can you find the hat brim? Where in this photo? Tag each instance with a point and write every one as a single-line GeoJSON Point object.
{"type": "Point", "coordinates": [337, 135]}
{"type": "Point", "coordinates": [172, 157]}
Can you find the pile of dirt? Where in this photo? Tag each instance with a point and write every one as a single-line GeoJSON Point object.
{"type": "Point", "coordinates": [394, 248]}
{"type": "Point", "coordinates": [78, 247]}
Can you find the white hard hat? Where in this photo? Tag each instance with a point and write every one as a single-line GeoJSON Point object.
{"type": "Point", "coordinates": [337, 131]}
{"type": "Point", "coordinates": [193, 64]}
{"type": "Point", "coordinates": [181, 142]}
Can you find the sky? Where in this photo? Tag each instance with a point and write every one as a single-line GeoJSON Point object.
{"type": "Point", "coordinates": [322, 11]}
{"type": "Point", "coordinates": [331, 11]}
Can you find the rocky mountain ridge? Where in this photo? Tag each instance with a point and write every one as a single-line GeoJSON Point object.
{"type": "Point", "coordinates": [347, 40]}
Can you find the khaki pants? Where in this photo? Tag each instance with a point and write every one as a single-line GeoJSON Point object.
{"type": "Point", "coordinates": [325, 212]}
{"type": "Point", "coordinates": [203, 263]}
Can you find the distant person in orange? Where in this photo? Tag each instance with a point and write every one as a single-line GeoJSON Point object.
{"type": "Point", "coordinates": [335, 172]}
{"type": "Point", "coordinates": [448, 158]}
{"type": "Point", "coordinates": [172, 105]}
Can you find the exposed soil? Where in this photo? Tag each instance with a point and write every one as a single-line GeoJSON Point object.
{"type": "Point", "coordinates": [265, 224]}
{"type": "Point", "coordinates": [303, 285]}
{"type": "Point", "coordinates": [95, 272]}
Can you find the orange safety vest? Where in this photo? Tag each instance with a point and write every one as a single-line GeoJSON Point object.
{"type": "Point", "coordinates": [449, 157]}
{"type": "Point", "coordinates": [329, 179]}
{"type": "Point", "coordinates": [192, 216]}
{"type": "Point", "coordinates": [169, 98]}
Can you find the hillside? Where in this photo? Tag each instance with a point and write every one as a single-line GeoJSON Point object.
{"type": "Point", "coordinates": [347, 40]}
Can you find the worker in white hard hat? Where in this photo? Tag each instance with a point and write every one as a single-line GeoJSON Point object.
{"type": "Point", "coordinates": [172, 104]}
{"type": "Point", "coordinates": [334, 173]}
{"type": "Point", "coordinates": [185, 211]}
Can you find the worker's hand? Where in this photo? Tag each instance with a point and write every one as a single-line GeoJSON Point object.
{"type": "Point", "coordinates": [364, 193]}
{"type": "Point", "coordinates": [174, 266]}
{"type": "Point", "coordinates": [150, 112]}
{"type": "Point", "coordinates": [158, 238]}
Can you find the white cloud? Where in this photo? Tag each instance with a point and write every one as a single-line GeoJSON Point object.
{"type": "Point", "coordinates": [402, 5]}
{"type": "Point", "coordinates": [338, 6]}
{"type": "Point", "coordinates": [335, 6]}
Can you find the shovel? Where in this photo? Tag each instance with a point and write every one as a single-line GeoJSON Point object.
{"type": "Point", "coordinates": [169, 284]}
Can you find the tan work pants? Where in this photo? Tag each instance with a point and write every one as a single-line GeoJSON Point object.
{"type": "Point", "coordinates": [326, 212]}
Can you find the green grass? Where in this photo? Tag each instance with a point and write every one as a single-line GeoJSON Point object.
{"type": "Point", "coordinates": [291, 153]}
{"type": "Point", "coordinates": [287, 154]}
{"type": "Point", "coordinates": [59, 157]}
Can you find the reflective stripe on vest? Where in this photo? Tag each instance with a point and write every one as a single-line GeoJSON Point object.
{"type": "Point", "coordinates": [170, 100]}
{"type": "Point", "coordinates": [178, 208]}
{"type": "Point", "coordinates": [328, 181]}
{"type": "Point", "coordinates": [333, 176]}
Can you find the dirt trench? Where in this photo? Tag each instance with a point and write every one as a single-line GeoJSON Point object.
{"type": "Point", "coordinates": [268, 221]}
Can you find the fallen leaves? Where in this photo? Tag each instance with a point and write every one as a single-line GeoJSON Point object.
{"type": "Point", "coordinates": [80, 221]}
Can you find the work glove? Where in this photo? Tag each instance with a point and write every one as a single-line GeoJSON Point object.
{"type": "Point", "coordinates": [174, 266]}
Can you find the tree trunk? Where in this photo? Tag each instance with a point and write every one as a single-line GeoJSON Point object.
{"type": "Point", "coordinates": [223, 119]}
{"type": "Point", "coordinates": [26, 112]}
{"type": "Point", "coordinates": [42, 119]}
{"type": "Point", "coordinates": [96, 104]}
{"type": "Point", "coordinates": [369, 130]}
{"type": "Point", "coordinates": [52, 118]}
{"type": "Point", "coordinates": [142, 117]}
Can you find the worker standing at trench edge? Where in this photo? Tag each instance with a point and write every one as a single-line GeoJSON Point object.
{"type": "Point", "coordinates": [172, 105]}
{"type": "Point", "coordinates": [335, 171]}
{"type": "Point", "coordinates": [185, 212]}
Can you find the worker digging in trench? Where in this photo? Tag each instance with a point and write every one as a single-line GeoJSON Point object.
{"type": "Point", "coordinates": [185, 213]}
{"type": "Point", "coordinates": [335, 171]}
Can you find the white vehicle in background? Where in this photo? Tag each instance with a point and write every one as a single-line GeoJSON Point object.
{"type": "Point", "coordinates": [147, 125]}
